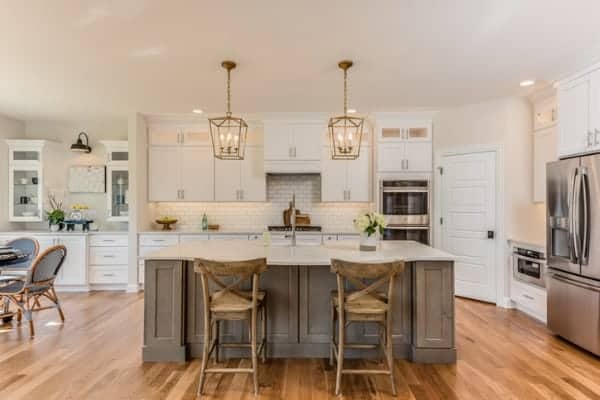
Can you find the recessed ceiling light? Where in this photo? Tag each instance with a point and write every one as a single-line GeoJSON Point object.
{"type": "Point", "coordinates": [197, 111]}
{"type": "Point", "coordinates": [526, 83]}
{"type": "Point", "coordinates": [351, 111]}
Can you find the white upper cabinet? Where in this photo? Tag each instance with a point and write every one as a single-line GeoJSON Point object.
{"type": "Point", "coordinates": [346, 180]}
{"type": "Point", "coordinates": [197, 173]}
{"type": "Point", "coordinates": [163, 174]}
{"type": "Point", "coordinates": [404, 145]}
{"type": "Point", "coordinates": [292, 146]}
{"type": "Point", "coordinates": [242, 180]}
{"type": "Point", "coordinates": [179, 135]}
{"type": "Point", "coordinates": [579, 114]}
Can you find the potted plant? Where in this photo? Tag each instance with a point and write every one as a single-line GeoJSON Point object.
{"type": "Point", "coordinates": [56, 215]}
{"type": "Point", "coordinates": [370, 225]}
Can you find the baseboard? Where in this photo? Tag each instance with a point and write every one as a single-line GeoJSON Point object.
{"type": "Point", "coordinates": [505, 302]}
{"type": "Point", "coordinates": [72, 288]}
{"type": "Point", "coordinates": [109, 287]}
{"type": "Point", "coordinates": [134, 288]}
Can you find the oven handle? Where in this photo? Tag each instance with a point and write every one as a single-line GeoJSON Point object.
{"type": "Point", "coordinates": [536, 260]}
{"type": "Point", "coordinates": [408, 228]}
{"type": "Point", "coordinates": [405, 190]}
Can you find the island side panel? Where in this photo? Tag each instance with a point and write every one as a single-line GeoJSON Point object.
{"type": "Point", "coordinates": [164, 311]}
{"type": "Point", "coordinates": [433, 313]}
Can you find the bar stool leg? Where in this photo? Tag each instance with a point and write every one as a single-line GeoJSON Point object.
{"type": "Point", "coordinates": [264, 330]}
{"type": "Point", "coordinates": [253, 348]}
{"type": "Point", "coordinates": [390, 351]}
{"type": "Point", "coordinates": [217, 341]}
{"type": "Point", "coordinates": [340, 355]}
{"type": "Point", "coordinates": [205, 348]}
{"type": "Point", "coordinates": [332, 331]}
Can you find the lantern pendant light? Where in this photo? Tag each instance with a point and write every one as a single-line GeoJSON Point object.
{"type": "Point", "coordinates": [345, 132]}
{"type": "Point", "coordinates": [228, 134]}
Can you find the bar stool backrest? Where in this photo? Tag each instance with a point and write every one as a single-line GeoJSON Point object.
{"type": "Point", "coordinates": [214, 271]}
{"type": "Point", "coordinates": [367, 278]}
{"type": "Point", "coordinates": [29, 246]}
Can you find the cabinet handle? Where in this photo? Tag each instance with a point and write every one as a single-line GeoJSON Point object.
{"type": "Point", "coordinates": [528, 297]}
{"type": "Point", "coordinates": [241, 194]}
{"type": "Point", "coordinates": [108, 274]}
{"type": "Point", "coordinates": [596, 133]}
{"type": "Point", "coordinates": [349, 194]}
{"type": "Point", "coordinates": [108, 240]}
{"type": "Point", "coordinates": [290, 152]}
{"type": "Point", "coordinates": [589, 138]}
{"type": "Point", "coordinates": [406, 164]}
{"type": "Point", "coordinates": [182, 194]}
{"type": "Point", "coordinates": [108, 256]}
{"type": "Point", "coordinates": [158, 240]}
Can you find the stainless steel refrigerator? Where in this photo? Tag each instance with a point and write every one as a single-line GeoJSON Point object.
{"type": "Point", "coordinates": [573, 250]}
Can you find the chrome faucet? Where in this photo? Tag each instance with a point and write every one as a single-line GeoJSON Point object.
{"type": "Point", "coordinates": [293, 219]}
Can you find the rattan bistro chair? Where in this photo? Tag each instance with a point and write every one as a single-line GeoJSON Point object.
{"type": "Point", "coordinates": [39, 282]}
{"type": "Point", "coordinates": [365, 304]}
{"type": "Point", "coordinates": [230, 303]}
{"type": "Point", "coordinates": [28, 246]}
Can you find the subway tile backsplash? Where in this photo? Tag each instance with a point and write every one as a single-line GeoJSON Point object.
{"type": "Point", "coordinates": [333, 217]}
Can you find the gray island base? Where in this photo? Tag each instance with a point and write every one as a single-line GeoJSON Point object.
{"type": "Point", "coordinates": [299, 282]}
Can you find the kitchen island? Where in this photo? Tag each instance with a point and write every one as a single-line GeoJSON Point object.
{"type": "Point", "coordinates": [299, 283]}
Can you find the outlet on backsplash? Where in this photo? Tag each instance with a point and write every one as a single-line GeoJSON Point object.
{"type": "Point", "coordinates": [332, 217]}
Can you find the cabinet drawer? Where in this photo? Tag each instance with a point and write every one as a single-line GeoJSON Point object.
{"type": "Point", "coordinates": [217, 236]}
{"type": "Point", "coordinates": [159, 240]}
{"type": "Point", "coordinates": [192, 238]}
{"type": "Point", "coordinates": [108, 256]}
{"type": "Point", "coordinates": [100, 274]}
{"type": "Point", "coordinates": [329, 238]}
{"type": "Point", "coordinates": [108, 240]}
{"type": "Point", "coordinates": [529, 297]}
{"type": "Point", "coordinates": [256, 236]}
{"type": "Point", "coordinates": [315, 240]}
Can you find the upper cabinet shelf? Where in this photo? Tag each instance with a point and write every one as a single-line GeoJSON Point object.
{"type": "Point", "coordinates": [398, 131]}
{"type": "Point", "coordinates": [117, 184]}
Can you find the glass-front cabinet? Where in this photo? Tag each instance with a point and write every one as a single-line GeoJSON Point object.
{"type": "Point", "coordinates": [117, 180]}
{"type": "Point", "coordinates": [25, 180]}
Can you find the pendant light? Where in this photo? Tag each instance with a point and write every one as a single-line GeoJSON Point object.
{"type": "Point", "coordinates": [228, 134]}
{"type": "Point", "coordinates": [345, 132]}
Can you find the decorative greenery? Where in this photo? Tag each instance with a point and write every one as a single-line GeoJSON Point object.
{"type": "Point", "coordinates": [370, 223]}
{"type": "Point", "coordinates": [56, 214]}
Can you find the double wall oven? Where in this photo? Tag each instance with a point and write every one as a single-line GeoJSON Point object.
{"type": "Point", "coordinates": [406, 207]}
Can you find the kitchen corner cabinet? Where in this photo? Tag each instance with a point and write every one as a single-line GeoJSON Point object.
{"type": "Point", "coordinates": [579, 115]}
{"type": "Point", "coordinates": [25, 180]}
{"type": "Point", "coordinates": [181, 173]}
{"type": "Point", "coordinates": [241, 180]}
{"type": "Point", "coordinates": [117, 180]}
{"type": "Point", "coordinates": [346, 180]}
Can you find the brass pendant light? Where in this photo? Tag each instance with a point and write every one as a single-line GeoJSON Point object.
{"type": "Point", "coordinates": [345, 132]}
{"type": "Point", "coordinates": [228, 134]}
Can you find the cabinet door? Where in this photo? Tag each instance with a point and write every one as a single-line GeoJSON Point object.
{"type": "Point", "coordinates": [227, 180]}
{"type": "Point", "coordinates": [164, 136]}
{"type": "Point", "coordinates": [163, 174]}
{"type": "Point", "coordinates": [196, 136]}
{"type": "Point", "coordinates": [433, 322]}
{"type": "Point", "coordinates": [196, 173]}
{"type": "Point", "coordinates": [595, 110]}
{"type": "Point", "coordinates": [574, 119]}
{"type": "Point", "coordinates": [391, 156]}
{"type": "Point", "coordinates": [418, 157]}
{"type": "Point", "coordinates": [253, 175]}
{"type": "Point", "coordinates": [277, 141]}
{"type": "Point", "coordinates": [418, 131]}
{"type": "Point", "coordinates": [333, 177]}
{"type": "Point", "coordinates": [358, 176]}
{"type": "Point", "coordinates": [117, 185]}
{"type": "Point", "coordinates": [544, 151]}
{"type": "Point", "coordinates": [306, 141]}
{"type": "Point", "coordinates": [73, 270]}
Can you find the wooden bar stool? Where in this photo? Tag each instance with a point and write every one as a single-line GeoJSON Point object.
{"type": "Point", "coordinates": [230, 303]}
{"type": "Point", "coordinates": [366, 304]}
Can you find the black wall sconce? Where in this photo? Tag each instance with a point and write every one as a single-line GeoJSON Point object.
{"type": "Point", "coordinates": [80, 146]}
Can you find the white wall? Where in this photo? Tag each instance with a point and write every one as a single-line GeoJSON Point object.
{"type": "Point", "coordinates": [508, 122]}
{"type": "Point", "coordinates": [65, 134]}
{"type": "Point", "coordinates": [9, 129]}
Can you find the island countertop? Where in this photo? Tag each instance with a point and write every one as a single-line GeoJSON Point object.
{"type": "Point", "coordinates": [237, 250]}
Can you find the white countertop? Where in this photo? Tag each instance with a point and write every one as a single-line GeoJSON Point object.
{"type": "Point", "coordinates": [232, 232]}
{"type": "Point", "coordinates": [237, 250]}
{"type": "Point", "coordinates": [63, 232]}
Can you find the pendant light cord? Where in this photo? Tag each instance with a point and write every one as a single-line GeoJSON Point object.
{"type": "Point", "coordinates": [228, 92]}
{"type": "Point", "coordinates": [345, 92]}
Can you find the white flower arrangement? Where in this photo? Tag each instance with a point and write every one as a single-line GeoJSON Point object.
{"type": "Point", "coordinates": [370, 223]}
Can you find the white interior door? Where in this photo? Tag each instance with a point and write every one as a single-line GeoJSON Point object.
{"type": "Point", "coordinates": [468, 194]}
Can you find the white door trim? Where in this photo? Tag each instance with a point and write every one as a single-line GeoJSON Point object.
{"type": "Point", "coordinates": [502, 296]}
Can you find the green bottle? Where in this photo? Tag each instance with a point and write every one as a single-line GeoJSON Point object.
{"type": "Point", "coordinates": [204, 222]}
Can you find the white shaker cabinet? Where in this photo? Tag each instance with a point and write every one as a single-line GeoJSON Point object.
{"type": "Point", "coordinates": [574, 102]}
{"type": "Point", "coordinates": [180, 173]}
{"type": "Point", "coordinates": [292, 146]}
{"type": "Point", "coordinates": [346, 180]}
{"type": "Point", "coordinates": [73, 272]}
{"type": "Point", "coordinates": [242, 180]}
{"type": "Point", "coordinates": [404, 145]}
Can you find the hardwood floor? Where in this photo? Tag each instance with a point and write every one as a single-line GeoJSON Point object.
{"type": "Point", "coordinates": [503, 354]}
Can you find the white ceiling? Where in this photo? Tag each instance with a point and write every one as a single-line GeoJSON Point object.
{"type": "Point", "coordinates": [70, 59]}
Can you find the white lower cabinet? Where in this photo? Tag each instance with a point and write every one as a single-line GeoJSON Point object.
{"type": "Point", "coordinates": [108, 261]}
{"type": "Point", "coordinates": [529, 299]}
{"type": "Point", "coordinates": [73, 273]}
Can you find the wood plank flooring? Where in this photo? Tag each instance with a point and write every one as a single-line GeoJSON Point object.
{"type": "Point", "coordinates": [503, 354]}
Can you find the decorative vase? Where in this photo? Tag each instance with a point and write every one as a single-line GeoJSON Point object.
{"type": "Point", "coordinates": [368, 243]}
{"type": "Point", "coordinates": [54, 227]}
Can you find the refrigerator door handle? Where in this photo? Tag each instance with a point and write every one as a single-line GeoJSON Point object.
{"type": "Point", "coordinates": [566, 280]}
{"type": "Point", "coordinates": [585, 248]}
{"type": "Point", "coordinates": [574, 213]}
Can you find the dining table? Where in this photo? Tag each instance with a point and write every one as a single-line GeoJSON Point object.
{"type": "Point", "coordinates": [9, 257]}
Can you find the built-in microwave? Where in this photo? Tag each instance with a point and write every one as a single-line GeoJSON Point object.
{"type": "Point", "coordinates": [528, 266]}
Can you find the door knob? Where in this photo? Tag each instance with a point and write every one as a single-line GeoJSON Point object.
{"type": "Point", "coordinates": [490, 234]}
